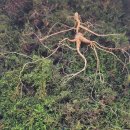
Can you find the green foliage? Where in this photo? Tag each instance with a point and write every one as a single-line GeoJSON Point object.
{"type": "Point", "coordinates": [37, 2]}
{"type": "Point", "coordinates": [38, 75]}
{"type": "Point", "coordinates": [33, 96]}
{"type": "Point", "coordinates": [17, 111]}
{"type": "Point", "coordinates": [30, 114]}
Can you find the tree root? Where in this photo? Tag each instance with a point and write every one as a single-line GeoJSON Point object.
{"type": "Point", "coordinates": [94, 45]}
{"type": "Point", "coordinates": [78, 39]}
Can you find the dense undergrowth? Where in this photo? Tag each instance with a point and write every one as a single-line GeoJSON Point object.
{"type": "Point", "coordinates": [33, 95]}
